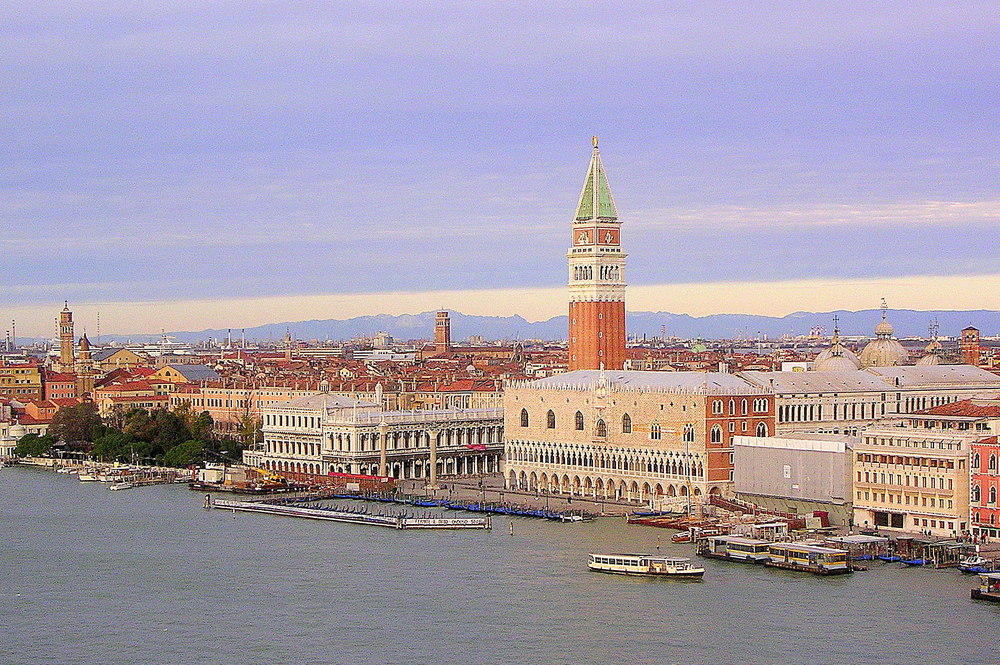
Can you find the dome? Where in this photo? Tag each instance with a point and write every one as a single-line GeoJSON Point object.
{"type": "Point", "coordinates": [820, 364]}
{"type": "Point", "coordinates": [929, 359]}
{"type": "Point", "coordinates": [836, 364]}
{"type": "Point", "coordinates": [884, 352]}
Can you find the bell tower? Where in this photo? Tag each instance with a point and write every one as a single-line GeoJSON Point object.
{"type": "Point", "coordinates": [970, 346]}
{"type": "Point", "coordinates": [67, 360]}
{"type": "Point", "coordinates": [596, 277]}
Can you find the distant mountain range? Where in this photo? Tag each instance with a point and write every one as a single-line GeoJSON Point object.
{"type": "Point", "coordinates": [907, 323]}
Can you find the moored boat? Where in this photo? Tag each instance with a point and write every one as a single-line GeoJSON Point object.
{"type": "Point", "coordinates": [645, 564]}
{"type": "Point", "coordinates": [975, 564]}
{"type": "Point", "coordinates": [735, 548]}
{"type": "Point", "coordinates": [989, 587]}
{"type": "Point", "coordinates": [808, 558]}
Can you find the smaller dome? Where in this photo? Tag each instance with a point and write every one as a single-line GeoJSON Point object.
{"type": "Point", "coordinates": [884, 329]}
{"type": "Point", "coordinates": [836, 364]}
{"type": "Point", "coordinates": [929, 359]}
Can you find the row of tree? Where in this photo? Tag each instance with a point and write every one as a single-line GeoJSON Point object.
{"type": "Point", "coordinates": [169, 438]}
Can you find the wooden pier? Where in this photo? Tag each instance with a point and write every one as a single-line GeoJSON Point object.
{"type": "Point", "coordinates": [334, 515]}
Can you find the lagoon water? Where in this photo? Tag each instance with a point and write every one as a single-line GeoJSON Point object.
{"type": "Point", "coordinates": [148, 576]}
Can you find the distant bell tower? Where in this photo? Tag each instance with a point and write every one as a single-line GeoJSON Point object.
{"type": "Point", "coordinates": [67, 360]}
{"type": "Point", "coordinates": [442, 333]}
{"type": "Point", "coordinates": [596, 277]}
{"type": "Point", "coordinates": [970, 346]}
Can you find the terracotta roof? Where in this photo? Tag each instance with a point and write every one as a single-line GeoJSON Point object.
{"type": "Point", "coordinates": [965, 407]}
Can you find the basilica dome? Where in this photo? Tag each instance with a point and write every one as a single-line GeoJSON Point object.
{"type": "Point", "coordinates": [837, 358]}
{"type": "Point", "coordinates": [884, 351]}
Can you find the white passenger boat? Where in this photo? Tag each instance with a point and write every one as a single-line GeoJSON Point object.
{"type": "Point", "coordinates": [645, 564]}
{"type": "Point", "coordinates": [88, 477]}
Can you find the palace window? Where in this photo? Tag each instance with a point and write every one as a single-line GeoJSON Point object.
{"type": "Point", "coordinates": [602, 428]}
{"type": "Point", "coordinates": [716, 434]}
{"type": "Point", "coordinates": [761, 429]}
{"type": "Point", "coordinates": [717, 406]}
{"type": "Point", "coordinates": [524, 417]}
{"type": "Point", "coordinates": [655, 433]}
{"type": "Point", "coordinates": [626, 424]}
{"type": "Point", "coordinates": [550, 419]}
{"type": "Point", "coordinates": [579, 421]}
{"type": "Point", "coordinates": [688, 435]}
{"type": "Point", "coordinates": [993, 463]}
{"type": "Point", "coordinates": [975, 494]}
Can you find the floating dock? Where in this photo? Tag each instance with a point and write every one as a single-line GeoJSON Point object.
{"type": "Point", "coordinates": [335, 515]}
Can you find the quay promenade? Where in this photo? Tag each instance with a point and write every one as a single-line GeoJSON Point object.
{"type": "Point", "coordinates": [490, 489]}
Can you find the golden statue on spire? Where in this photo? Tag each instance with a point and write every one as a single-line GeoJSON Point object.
{"type": "Point", "coordinates": [594, 139]}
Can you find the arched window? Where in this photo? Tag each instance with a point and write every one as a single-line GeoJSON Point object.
{"type": "Point", "coordinates": [524, 417]}
{"type": "Point", "coordinates": [993, 463]}
{"type": "Point", "coordinates": [550, 419]}
{"type": "Point", "coordinates": [579, 421]}
{"type": "Point", "coordinates": [744, 407]}
{"type": "Point", "coordinates": [993, 495]}
{"type": "Point", "coordinates": [974, 496]}
{"type": "Point", "coordinates": [688, 434]}
{"type": "Point", "coordinates": [976, 461]}
{"type": "Point", "coordinates": [655, 433]}
{"type": "Point", "coordinates": [602, 428]}
{"type": "Point", "coordinates": [626, 424]}
{"type": "Point", "coordinates": [761, 429]}
{"type": "Point", "coordinates": [717, 406]}
{"type": "Point", "coordinates": [716, 434]}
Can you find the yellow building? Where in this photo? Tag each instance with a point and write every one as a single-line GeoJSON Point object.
{"type": "Point", "coordinates": [21, 381]}
{"type": "Point", "coordinates": [912, 479]}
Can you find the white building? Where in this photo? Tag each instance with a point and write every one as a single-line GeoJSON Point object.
{"type": "Point", "coordinates": [325, 433]}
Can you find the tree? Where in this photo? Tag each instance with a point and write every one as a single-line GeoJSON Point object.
{"type": "Point", "coordinates": [77, 424]}
{"type": "Point", "coordinates": [202, 426]}
{"type": "Point", "coordinates": [32, 445]}
{"type": "Point", "coordinates": [114, 446]}
{"type": "Point", "coordinates": [185, 454]}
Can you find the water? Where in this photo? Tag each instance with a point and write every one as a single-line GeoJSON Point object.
{"type": "Point", "coordinates": [148, 576]}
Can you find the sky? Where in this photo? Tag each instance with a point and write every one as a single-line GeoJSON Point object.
{"type": "Point", "coordinates": [192, 165]}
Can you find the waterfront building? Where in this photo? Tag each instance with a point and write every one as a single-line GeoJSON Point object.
{"type": "Point", "coordinates": [913, 478]}
{"type": "Point", "coordinates": [981, 419]}
{"type": "Point", "coordinates": [596, 277]}
{"type": "Point", "coordinates": [643, 436]}
{"type": "Point", "coordinates": [985, 484]}
{"type": "Point", "coordinates": [324, 433]}
{"type": "Point", "coordinates": [844, 402]}
{"type": "Point", "coordinates": [796, 473]}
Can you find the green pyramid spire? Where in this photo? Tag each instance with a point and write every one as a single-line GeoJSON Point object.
{"type": "Point", "coordinates": [596, 201]}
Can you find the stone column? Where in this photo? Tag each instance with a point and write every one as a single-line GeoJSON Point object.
{"type": "Point", "coordinates": [432, 435]}
{"type": "Point", "coordinates": [383, 430]}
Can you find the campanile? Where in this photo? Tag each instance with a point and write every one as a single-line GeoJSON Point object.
{"type": "Point", "coordinates": [596, 277]}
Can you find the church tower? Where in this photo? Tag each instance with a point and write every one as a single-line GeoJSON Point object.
{"type": "Point", "coordinates": [596, 277]}
{"type": "Point", "coordinates": [85, 369]}
{"type": "Point", "coordinates": [67, 361]}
